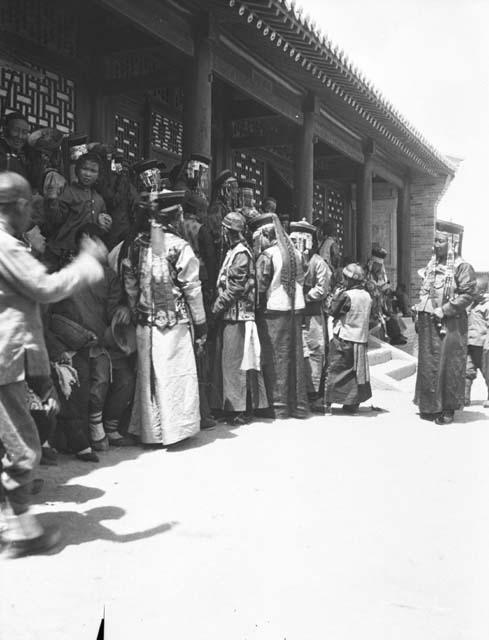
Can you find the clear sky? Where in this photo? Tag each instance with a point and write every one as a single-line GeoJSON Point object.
{"type": "Point", "coordinates": [430, 58]}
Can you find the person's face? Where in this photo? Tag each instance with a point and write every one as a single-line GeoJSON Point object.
{"type": "Point", "coordinates": [441, 245]}
{"type": "Point", "coordinates": [88, 173]}
{"type": "Point", "coordinates": [21, 218]}
{"type": "Point", "coordinates": [36, 240]}
{"type": "Point", "coordinates": [16, 134]}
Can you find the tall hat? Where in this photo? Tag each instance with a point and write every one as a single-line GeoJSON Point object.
{"type": "Point", "coordinates": [45, 139]}
{"type": "Point", "coordinates": [147, 174]}
{"type": "Point", "coordinates": [234, 221]}
{"type": "Point", "coordinates": [302, 226]}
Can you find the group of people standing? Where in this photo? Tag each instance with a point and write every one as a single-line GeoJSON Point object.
{"type": "Point", "coordinates": [133, 310]}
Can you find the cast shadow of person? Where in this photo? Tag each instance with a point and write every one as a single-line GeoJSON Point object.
{"type": "Point", "coordinates": [79, 528]}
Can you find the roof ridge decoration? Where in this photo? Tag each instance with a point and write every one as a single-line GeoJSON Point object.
{"type": "Point", "coordinates": [292, 16]}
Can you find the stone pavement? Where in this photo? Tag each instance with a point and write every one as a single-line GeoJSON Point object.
{"type": "Point", "coordinates": [374, 526]}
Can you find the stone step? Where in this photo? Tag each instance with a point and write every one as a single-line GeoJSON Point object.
{"type": "Point", "coordinates": [395, 369]}
{"type": "Point", "coordinates": [378, 356]}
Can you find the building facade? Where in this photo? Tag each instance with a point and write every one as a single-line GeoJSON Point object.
{"type": "Point", "coordinates": [254, 85]}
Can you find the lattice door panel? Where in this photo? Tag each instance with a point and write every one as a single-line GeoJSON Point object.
{"type": "Point", "coordinates": [46, 99]}
{"type": "Point", "coordinates": [247, 167]}
{"type": "Point", "coordinates": [319, 201]}
{"type": "Point", "coordinates": [336, 212]}
{"type": "Point", "coordinates": [166, 134]}
{"type": "Point", "coordinates": [127, 139]}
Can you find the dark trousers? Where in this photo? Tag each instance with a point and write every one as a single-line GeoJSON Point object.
{"type": "Point", "coordinates": [20, 448]}
{"type": "Point", "coordinates": [86, 399]}
{"type": "Point", "coordinates": [477, 359]}
{"type": "Point", "coordinates": [121, 391]}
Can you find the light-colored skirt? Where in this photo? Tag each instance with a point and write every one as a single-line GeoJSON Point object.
{"type": "Point", "coordinates": [166, 403]}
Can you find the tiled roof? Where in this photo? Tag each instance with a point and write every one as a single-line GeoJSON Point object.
{"type": "Point", "coordinates": [303, 43]}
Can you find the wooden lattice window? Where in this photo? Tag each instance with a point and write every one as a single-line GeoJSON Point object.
{"type": "Point", "coordinates": [46, 99]}
{"type": "Point", "coordinates": [127, 139]}
{"type": "Point", "coordinates": [166, 134]}
{"type": "Point", "coordinates": [336, 212]}
{"type": "Point", "coordinates": [319, 201]}
{"type": "Point", "coordinates": [247, 167]}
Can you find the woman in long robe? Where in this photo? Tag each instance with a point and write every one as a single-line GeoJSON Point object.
{"type": "Point", "coordinates": [447, 290]}
{"type": "Point", "coordinates": [237, 379]}
{"type": "Point", "coordinates": [161, 278]}
{"type": "Point", "coordinates": [280, 280]}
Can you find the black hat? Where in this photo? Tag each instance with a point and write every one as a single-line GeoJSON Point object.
{"type": "Point", "coordinates": [261, 220]}
{"type": "Point", "coordinates": [222, 177]}
{"type": "Point", "coordinates": [379, 252]}
{"type": "Point", "coordinates": [161, 165]}
{"type": "Point", "coordinates": [302, 226]}
{"type": "Point", "coordinates": [144, 165]}
{"type": "Point", "coordinates": [199, 157]}
{"type": "Point", "coordinates": [270, 199]}
{"type": "Point", "coordinates": [14, 115]}
{"type": "Point", "coordinates": [247, 184]}
{"type": "Point", "coordinates": [168, 201]}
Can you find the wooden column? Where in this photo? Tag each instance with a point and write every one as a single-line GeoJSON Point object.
{"type": "Point", "coordinates": [199, 102]}
{"type": "Point", "coordinates": [404, 236]}
{"type": "Point", "coordinates": [304, 162]}
{"type": "Point", "coordinates": [364, 210]}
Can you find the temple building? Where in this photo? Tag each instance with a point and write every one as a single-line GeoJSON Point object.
{"type": "Point", "coordinates": [253, 84]}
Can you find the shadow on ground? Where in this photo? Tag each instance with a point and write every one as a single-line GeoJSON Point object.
{"type": "Point", "coordinates": [79, 528]}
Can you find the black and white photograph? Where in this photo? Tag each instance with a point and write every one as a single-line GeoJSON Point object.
{"type": "Point", "coordinates": [244, 320]}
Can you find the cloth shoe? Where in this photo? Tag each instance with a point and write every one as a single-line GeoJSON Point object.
{"type": "Point", "coordinates": [100, 445]}
{"type": "Point", "coordinates": [87, 456]}
{"type": "Point", "coordinates": [116, 439]}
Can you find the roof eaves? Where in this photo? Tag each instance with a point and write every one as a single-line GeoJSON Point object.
{"type": "Point", "coordinates": [340, 75]}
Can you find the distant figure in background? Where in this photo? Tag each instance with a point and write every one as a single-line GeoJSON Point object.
{"type": "Point", "coordinates": [447, 290]}
{"type": "Point", "coordinates": [13, 145]}
{"type": "Point", "coordinates": [329, 249]}
{"type": "Point", "coordinates": [478, 340]}
{"type": "Point", "coordinates": [269, 205]}
{"type": "Point", "coordinates": [348, 379]}
{"type": "Point", "coordinates": [224, 199]}
{"type": "Point", "coordinates": [402, 300]}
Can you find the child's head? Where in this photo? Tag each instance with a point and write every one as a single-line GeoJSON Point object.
{"type": "Point", "coordinates": [87, 169]}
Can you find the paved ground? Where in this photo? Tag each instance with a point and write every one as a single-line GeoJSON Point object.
{"type": "Point", "coordinates": [342, 528]}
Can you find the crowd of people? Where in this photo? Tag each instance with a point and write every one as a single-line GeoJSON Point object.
{"type": "Point", "coordinates": [136, 311]}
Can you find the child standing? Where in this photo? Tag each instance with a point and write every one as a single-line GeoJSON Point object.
{"type": "Point", "coordinates": [478, 340]}
{"type": "Point", "coordinates": [348, 372]}
{"type": "Point", "coordinates": [78, 205]}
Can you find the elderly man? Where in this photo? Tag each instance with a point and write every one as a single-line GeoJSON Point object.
{"type": "Point", "coordinates": [24, 285]}
{"type": "Point", "coordinates": [13, 145]}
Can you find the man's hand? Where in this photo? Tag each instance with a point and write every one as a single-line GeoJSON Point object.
{"type": "Point", "coordinates": [94, 247]}
{"type": "Point", "coordinates": [104, 221]}
{"type": "Point", "coordinates": [438, 313]}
